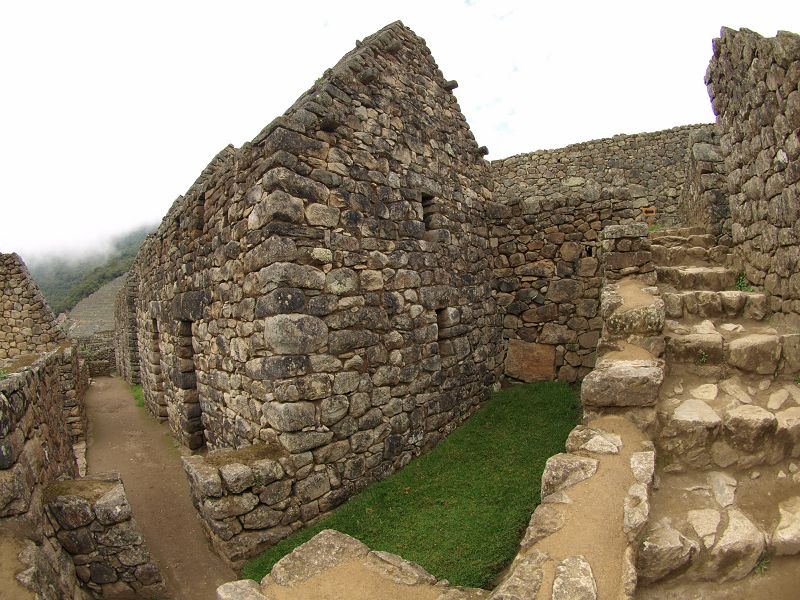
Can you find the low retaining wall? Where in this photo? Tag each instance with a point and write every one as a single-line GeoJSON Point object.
{"type": "Point", "coordinates": [41, 418]}
{"type": "Point", "coordinates": [35, 438]}
{"type": "Point", "coordinates": [250, 499]}
{"type": "Point", "coordinates": [91, 519]}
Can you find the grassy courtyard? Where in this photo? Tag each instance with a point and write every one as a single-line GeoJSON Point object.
{"type": "Point", "coordinates": [459, 510]}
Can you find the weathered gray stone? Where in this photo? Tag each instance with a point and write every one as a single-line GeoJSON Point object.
{"type": "Point", "coordinates": [229, 506]}
{"type": "Point", "coordinates": [237, 477]}
{"type": "Point", "coordinates": [750, 427]}
{"type": "Point", "coordinates": [574, 580]}
{"type": "Point", "coordinates": [305, 440]}
{"type": "Point", "coordinates": [622, 383]}
{"type": "Point", "coordinates": [643, 466]}
{"type": "Point", "coordinates": [397, 569]}
{"type": "Point", "coordinates": [266, 471]}
{"type": "Point", "coordinates": [71, 512]}
{"type": "Point", "coordinates": [324, 551]}
{"type": "Point", "coordinates": [737, 551]}
{"type": "Point", "coordinates": [295, 333]}
{"type": "Point", "coordinates": [120, 535]}
{"type": "Point", "coordinates": [112, 507]}
{"type": "Point", "coordinates": [593, 440]}
{"type": "Point", "coordinates": [261, 517]}
{"type": "Point", "coordinates": [635, 510]}
{"type": "Point", "coordinates": [723, 486]}
{"type": "Point", "coordinates": [525, 579]}
{"type": "Point", "coordinates": [689, 429]}
{"type": "Point", "coordinates": [705, 523]}
{"type": "Point", "coordinates": [545, 520]}
{"type": "Point", "coordinates": [755, 353]}
{"type": "Point", "coordinates": [313, 486]}
{"type": "Point", "coordinates": [205, 478]}
{"type": "Point", "coordinates": [786, 537]}
{"type": "Point", "coordinates": [244, 589]}
{"type": "Point", "coordinates": [564, 470]}
{"type": "Point", "coordinates": [663, 551]}
{"type": "Point", "coordinates": [290, 416]}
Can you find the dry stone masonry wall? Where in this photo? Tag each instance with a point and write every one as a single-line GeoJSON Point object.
{"type": "Point", "coordinates": [704, 199]}
{"type": "Point", "coordinates": [36, 448]}
{"type": "Point", "coordinates": [28, 325]}
{"type": "Point", "coordinates": [754, 84]}
{"type": "Point", "coordinates": [551, 207]}
{"type": "Point", "coordinates": [91, 519]}
{"type": "Point", "coordinates": [326, 290]}
{"type": "Point", "coordinates": [126, 344]}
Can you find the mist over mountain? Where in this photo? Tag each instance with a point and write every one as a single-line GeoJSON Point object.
{"type": "Point", "coordinates": [65, 280]}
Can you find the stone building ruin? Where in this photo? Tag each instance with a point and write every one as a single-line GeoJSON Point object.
{"type": "Point", "coordinates": [346, 288]}
{"type": "Point", "coordinates": [339, 294]}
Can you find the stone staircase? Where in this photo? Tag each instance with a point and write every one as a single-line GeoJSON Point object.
{"type": "Point", "coordinates": [726, 427]}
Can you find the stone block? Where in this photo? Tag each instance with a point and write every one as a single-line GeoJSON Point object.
{"type": "Point", "coordinates": [530, 361]}
{"type": "Point", "coordinates": [622, 383]}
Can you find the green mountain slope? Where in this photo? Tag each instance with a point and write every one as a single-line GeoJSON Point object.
{"type": "Point", "coordinates": [64, 282]}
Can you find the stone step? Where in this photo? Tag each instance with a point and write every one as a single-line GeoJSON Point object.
{"type": "Point", "coordinates": [678, 231]}
{"type": "Point", "coordinates": [723, 350]}
{"type": "Point", "coordinates": [718, 525]}
{"type": "Point", "coordinates": [728, 303]}
{"type": "Point", "coordinates": [739, 421]}
{"type": "Point", "coordinates": [697, 278]}
{"type": "Point", "coordinates": [705, 240]}
{"type": "Point", "coordinates": [629, 307]}
{"type": "Point", "coordinates": [692, 256]}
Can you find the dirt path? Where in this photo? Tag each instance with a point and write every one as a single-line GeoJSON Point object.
{"type": "Point", "coordinates": [123, 438]}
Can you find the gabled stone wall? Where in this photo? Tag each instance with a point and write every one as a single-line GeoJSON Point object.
{"type": "Point", "coordinates": [754, 87]}
{"type": "Point", "coordinates": [326, 289]}
{"type": "Point", "coordinates": [27, 325]}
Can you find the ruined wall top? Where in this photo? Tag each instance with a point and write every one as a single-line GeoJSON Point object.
{"type": "Point", "coordinates": [649, 167]}
{"type": "Point", "coordinates": [27, 325]}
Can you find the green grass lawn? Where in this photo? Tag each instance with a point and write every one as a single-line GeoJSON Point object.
{"type": "Point", "coordinates": [461, 509]}
{"type": "Point", "coordinates": [138, 395]}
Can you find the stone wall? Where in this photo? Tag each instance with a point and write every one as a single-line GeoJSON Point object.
{"type": "Point", "coordinates": [98, 351]}
{"type": "Point", "coordinates": [326, 289]}
{"type": "Point", "coordinates": [551, 207]}
{"type": "Point", "coordinates": [126, 341]}
{"type": "Point", "coordinates": [35, 439]}
{"type": "Point", "coordinates": [704, 199]}
{"type": "Point", "coordinates": [91, 519]}
{"type": "Point", "coordinates": [36, 448]}
{"type": "Point", "coordinates": [27, 325]}
{"type": "Point", "coordinates": [247, 500]}
{"type": "Point", "coordinates": [753, 83]}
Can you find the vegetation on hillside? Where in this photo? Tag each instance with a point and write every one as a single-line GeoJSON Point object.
{"type": "Point", "coordinates": [461, 509]}
{"type": "Point", "coordinates": [64, 281]}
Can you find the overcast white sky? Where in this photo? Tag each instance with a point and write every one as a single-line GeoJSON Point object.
{"type": "Point", "coordinates": [110, 110]}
